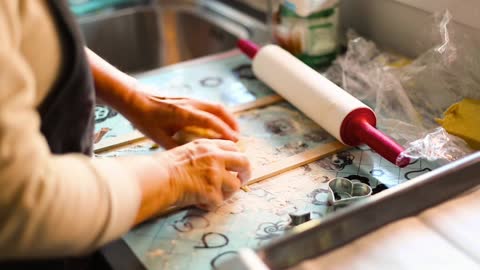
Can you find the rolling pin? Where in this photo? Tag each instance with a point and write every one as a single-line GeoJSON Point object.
{"type": "Point", "coordinates": [339, 113]}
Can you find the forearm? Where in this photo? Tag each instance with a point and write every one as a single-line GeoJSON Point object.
{"type": "Point", "coordinates": [117, 90]}
{"type": "Point", "coordinates": [112, 86]}
{"type": "Point", "coordinates": [154, 182]}
{"type": "Point", "coordinates": [63, 205]}
{"type": "Point", "coordinates": [75, 202]}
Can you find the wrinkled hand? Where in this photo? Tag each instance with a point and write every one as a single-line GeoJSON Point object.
{"type": "Point", "coordinates": [161, 118]}
{"type": "Point", "coordinates": [205, 172]}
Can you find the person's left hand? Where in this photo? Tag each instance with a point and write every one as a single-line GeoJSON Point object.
{"type": "Point", "coordinates": [159, 118]}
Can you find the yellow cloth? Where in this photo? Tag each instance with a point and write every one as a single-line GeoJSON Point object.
{"type": "Point", "coordinates": [462, 119]}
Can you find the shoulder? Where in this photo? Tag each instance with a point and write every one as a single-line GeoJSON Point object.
{"type": "Point", "coordinates": [28, 29]}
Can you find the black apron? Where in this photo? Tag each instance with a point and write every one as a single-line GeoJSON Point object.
{"type": "Point", "coordinates": [67, 113]}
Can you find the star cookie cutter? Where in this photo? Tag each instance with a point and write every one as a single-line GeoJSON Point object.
{"type": "Point", "coordinates": [342, 191]}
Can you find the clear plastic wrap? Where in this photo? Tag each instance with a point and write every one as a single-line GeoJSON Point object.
{"type": "Point", "coordinates": [445, 74]}
{"type": "Point", "coordinates": [408, 97]}
{"type": "Point", "coordinates": [437, 145]}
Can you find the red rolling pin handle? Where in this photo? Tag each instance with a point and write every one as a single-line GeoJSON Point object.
{"type": "Point", "coordinates": [248, 47]}
{"type": "Point", "coordinates": [359, 127]}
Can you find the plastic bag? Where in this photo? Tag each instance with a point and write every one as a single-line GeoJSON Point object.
{"type": "Point", "coordinates": [407, 99]}
{"type": "Point", "coordinates": [437, 145]}
{"type": "Point", "coordinates": [365, 73]}
{"type": "Point", "coordinates": [443, 75]}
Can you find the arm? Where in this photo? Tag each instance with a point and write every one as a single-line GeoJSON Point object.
{"type": "Point", "coordinates": [198, 173]}
{"type": "Point", "coordinates": [118, 90]}
{"type": "Point", "coordinates": [50, 205]}
{"type": "Point", "coordinates": [63, 205]}
{"type": "Point", "coordinates": [112, 86]}
{"type": "Point", "coordinates": [158, 118]}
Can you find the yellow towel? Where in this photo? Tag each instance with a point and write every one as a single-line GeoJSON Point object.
{"type": "Point", "coordinates": [462, 119]}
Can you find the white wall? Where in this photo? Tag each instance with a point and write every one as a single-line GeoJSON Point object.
{"type": "Point", "coordinates": [405, 25]}
{"type": "Point", "coordinates": [466, 12]}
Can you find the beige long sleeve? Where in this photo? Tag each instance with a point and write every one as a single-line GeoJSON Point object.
{"type": "Point", "coordinates": [50, 205]}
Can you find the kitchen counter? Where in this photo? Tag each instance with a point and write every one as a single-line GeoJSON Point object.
{"type": "Point", "coordinates": [192, 238]}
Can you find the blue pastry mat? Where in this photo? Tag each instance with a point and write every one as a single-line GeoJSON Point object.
{"type": "Point", "coordinates": [194, 239]}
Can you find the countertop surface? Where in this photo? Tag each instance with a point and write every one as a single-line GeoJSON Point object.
{"type": "Point", "coordinates": [193, 239]}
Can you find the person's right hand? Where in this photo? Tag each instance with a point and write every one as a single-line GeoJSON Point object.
{"type": "Point", "coordinates": [205, 172]}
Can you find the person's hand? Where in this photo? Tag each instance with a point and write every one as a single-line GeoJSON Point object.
{"type": "Point", "coordinates": [161, 118]}
{"type": "Point", "coordinates": [156, 117]}
{"type": "Point", "coordinates": [205, 172]}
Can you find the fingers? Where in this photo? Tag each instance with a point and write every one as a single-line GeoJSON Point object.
{"type": "Point", "coordinates": [238, 162]}
{"type": "Point", "coordinates": [211, 199]}
{"type": "Point", "coordinates": [221, 144]}
{"type": "Point", "coordinates": [220, 111]}
{"type": "Point", "coordinates": [207, 120]}
{"type": "Point", "coordinates": [230, 185]}
{"type": "Point", "coordinates": [164, 140]}
{"type": "Point", "coordinates": [232, 158]}
{"type": "Point", "coordinates": [227, 145]}
{"type": "Point", "coordinates": [203, 206]}
{"type": "Point", "coordinates": [214, 197]}
{"type": "Point", "coordinates": [209, 171]}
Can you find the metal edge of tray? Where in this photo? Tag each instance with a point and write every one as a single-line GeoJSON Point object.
{"type": "Point", "coordinates": [119, 256]}
{"type": "Point", "coordinates": [315, 238]}
{"type": "Point", "coordinates": [318, 237]}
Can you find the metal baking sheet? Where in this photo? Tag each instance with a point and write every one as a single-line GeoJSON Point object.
{"type": "Point", "coordinates": [202, 240]}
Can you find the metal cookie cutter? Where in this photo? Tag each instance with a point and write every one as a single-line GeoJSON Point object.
{"type": "Point", "coordinates": [342, 191]}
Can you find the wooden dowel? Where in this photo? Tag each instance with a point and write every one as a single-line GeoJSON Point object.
{"type": "Point", "coordinates": [295, 161]}
{"type": "Point", "coordinates": [284, 165]}
{"type": "Point", "coordinates": [112, 143]}
{"type": "Point", "coordinates": [261, 102]}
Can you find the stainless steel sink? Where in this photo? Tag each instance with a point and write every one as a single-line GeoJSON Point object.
{"type": "Point", "coordinates": [128, 38]}
{"type": "Point", "coordinates": [146, 37]}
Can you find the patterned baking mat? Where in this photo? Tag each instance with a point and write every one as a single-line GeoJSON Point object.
{"type": "Point", "coordinates": [195, 239]}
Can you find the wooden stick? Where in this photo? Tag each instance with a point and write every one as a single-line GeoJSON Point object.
{"type": "Point", "coordinates": [136, 136]}
{"type": "Point", "coordinates": [284, 165]}
{"type": "Point", "coordinates": [261, 102]}
{"type": "Point", "coordinates": [295, 161]}
{"type": "Point", "coordinates": [245, 188]}
{"type": "Point", "coordinates": [97, 137]}
{"type": "Point", "coordinates": [260, 174]}
{"type": "Point", "coordinates": [112, 143]}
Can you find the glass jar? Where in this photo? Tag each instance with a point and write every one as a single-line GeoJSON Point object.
{"type": "Point", "coordinates": [307, 29]}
